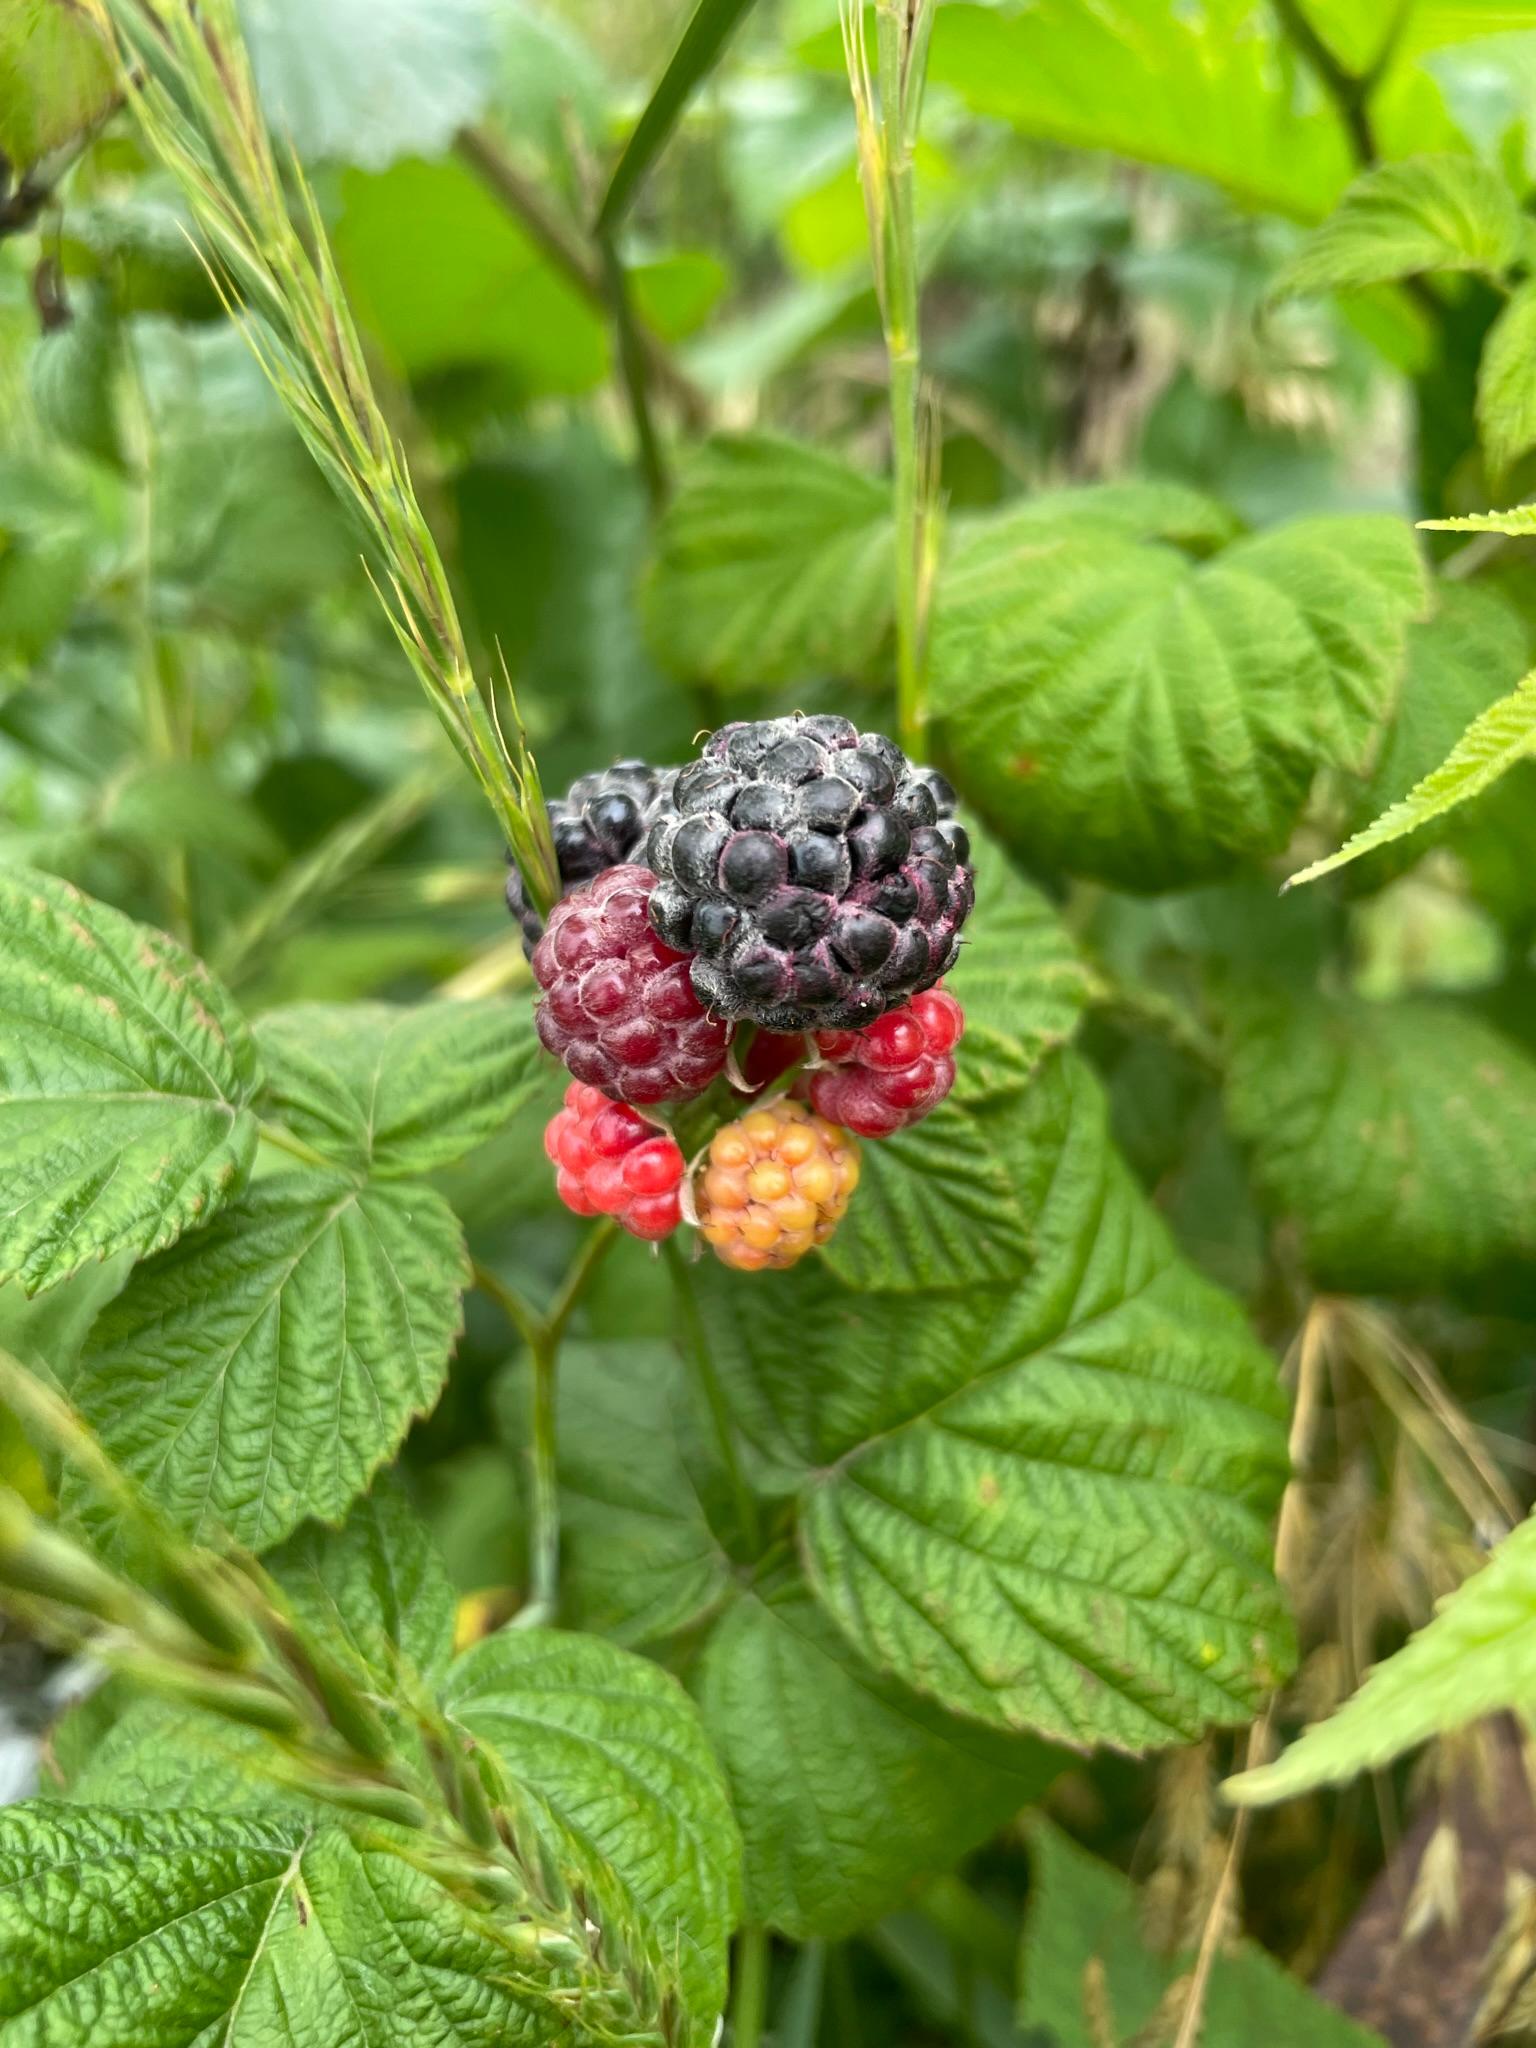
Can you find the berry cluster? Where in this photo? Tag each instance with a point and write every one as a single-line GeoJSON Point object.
{"type": "Point", "coordinates": [803, 878]}
{"type": "Point", "coordinates": [609, 1161]}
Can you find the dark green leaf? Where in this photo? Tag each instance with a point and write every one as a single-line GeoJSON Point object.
{"type": "Point", "coordinates": [1429, 213]}
{"type": "Point", "coordinates": [1085, 1954]}
{"type": "Point", "coordinates": [1401, 1136]}
{"type": "Point", "coordinates": [847, 1786]}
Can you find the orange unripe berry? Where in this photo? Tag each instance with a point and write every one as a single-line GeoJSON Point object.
{"type": "Point", "coordinates": [775, 1186]}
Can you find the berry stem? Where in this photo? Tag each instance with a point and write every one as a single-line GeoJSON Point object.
{"type": "Point", "coordinates": [749, 2003]}
{"type": "Point", "coordinates": [543, 1334]}
{"type": "Point", "coordinates": [696, 1350]}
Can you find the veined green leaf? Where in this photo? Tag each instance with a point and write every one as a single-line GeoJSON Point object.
{"type": "Point", "coordinates": [1477, 1656]}
{"type": "Point", "coordinates": [173, 1929]}
{"type": "Point", "coordinates": [126, 1075]}
{"type": "Point", "coordinates": [1019, 972]}
{"type": "Point", "coordinates": [1129, 508]}
{"type": "Point", "coordinates": [375, 1587]}
{"type": "Point", "coordinates": [606, 1752]}
{"type": "Point", "coordinates": [1426, 213]}
{"type": "Point", "coordinates": [393, 1091]}
{"type": "Point", "coordinates": [1043, 1505]}
{"type": "Point", "coordinates": [847, 1785]}
{"type": "Point", "coordinates": [1112, 710]}
{"type": "Point", "coordinates": [262, 1372]}
{"type": "Point", "coordinates": [1506, 382]}
{"type": "Point", "coordinates": [1085, 1922]}
{"type": "Point", "coordinates": [773, 565]}
{"type": "Point", "coordinates": [1492, 744]}
{"type": "Point", "coordinates": [938, 1204]}
{"type": "Point", "coordinates": [1401, 1136]}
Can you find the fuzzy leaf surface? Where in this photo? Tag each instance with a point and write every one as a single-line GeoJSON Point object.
{"type": "Point", "coordinates": [847, 1786]}
{"type": "Point", "coordinates": [773, 563]}
{"type": "Point", "coordinates": [176, 1929]}
{"type": "Point", "coordinates": [126, 1075]}
{"type": "Point", "coordinates": [608, 1754]}
{"type": "Point", "coordinates": [1085, 1920]}
{"type": "Point", "coordinates": [1401, 1136]}
{"type": "Point", "coordinates": [1018, 972]}
{"type": "Point", "coordinates": [261, 1372]}
{"type": "Point", "coordinates": [1506, 382]}
{"type": "Point", "coordinates": [1113, 709]}
{"type": "Point", "coordinates": [1043, 1505]}
{"type": "Point", "coordinates": [1398, 220]}
{"type": "Point", "coordinates": [391, 1091]}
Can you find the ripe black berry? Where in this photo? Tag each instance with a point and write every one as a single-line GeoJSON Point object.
{"type": "Point", "coordinates": [816, 877]}
{"type": "Point", "coordinates": [597, 824]}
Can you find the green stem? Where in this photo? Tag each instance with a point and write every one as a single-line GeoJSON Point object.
{"type": "Point", "coordinates": [749, 2003]}
{"type": "Point", "coordinates": [696, 1347]}
{"type": "Point", "coordinates": [542, 1334]}
{"type": "Point", "coordinates": [899, 308]}
{"type": "Point", "coordinates": [635, 372]}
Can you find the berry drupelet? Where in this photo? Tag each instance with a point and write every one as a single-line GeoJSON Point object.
{"type": "Point", "coordinates": [597, 824]}
{"type": "Point", "coordinates": [609, 1161]}
{"type": "Point", "coordinates": [814, 875]}
{"type": "Point", "coordinates": [619, 1007]}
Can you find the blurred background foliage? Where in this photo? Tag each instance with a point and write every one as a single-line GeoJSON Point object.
{"type": "Point", "coordinates": [204, 719]}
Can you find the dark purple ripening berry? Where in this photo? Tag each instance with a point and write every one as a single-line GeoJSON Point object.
{"type": "Point", "coordinates": [597, 824]}
{"type": "Point", "coordinates": [817, 877]}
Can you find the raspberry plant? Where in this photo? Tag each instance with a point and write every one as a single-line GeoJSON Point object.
{"type": "Point", "coordinates": [779, 1442]}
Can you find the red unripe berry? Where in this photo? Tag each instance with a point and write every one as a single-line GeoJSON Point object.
{"type": "Point", "coordinates": [892, 1073]}
{"type": "Point", "coordinates": [617, 1004]}
{"type": "Point", "coordinates": [611, 1162]}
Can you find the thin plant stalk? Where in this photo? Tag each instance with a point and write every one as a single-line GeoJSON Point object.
{"type": "Point", "coordinates": [749, 2001]}
{"type": "Point", "coordinates": [888, 104]}
{"type": "Point", "coordinates": [188, 80]}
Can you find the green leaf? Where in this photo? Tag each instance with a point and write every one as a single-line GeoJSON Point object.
{"type": "Point", "coordinates": [847, 1786]}
{"type": "Point", "coordinates": [175, 1929]}
{"type": "Point", "coordinates": [391, 1091]}
{"type": "Point", "coordinates": [1459, 661]}
{"type": "Point", "coordinates": [125, 1080]}
{"type": "Point", "coordinates": [773, 564]}
{"type": "Point", "coordinates": [56, 78]}
{"type": "Point", "coordinates": [938, 1205]}
{"type": "Point", "coordinates": [1506, 383]}
{"type": "Point", "coordinates": [1042, 1504]}
{"type": "Point", "coordinates": [444, 277]}
{"type": "Point", "coordinates": [1199, 90]}
{"type": "Point", "coordinates": [1086, 1952]}
{"type": "Point", "coordinates": [1113, 710]}
{"type": "Point", "coordinates": [1495, 741]}
{"type": "Point", "coordinates": [1400, 1136]}
{"type": "Point", "coordinates": [1018, 972]}
{"type": "Point", "coordinates": [1476, 1656]}
{"type": "Point", "coordinates": [1428, 213]}
{"type": "Point", "coordinates": [375, 1587]}
{"type": "Point", "coordinates": [369, 81]}
{"type": "Point", "coordinates": [710, 27]}
{"type": "Point", "coordinates": [607, 1753]}
{"type": "Point", "coordinates": [1130, 508]}
{"type": "Point", "coordinates": [261, 1372]}
{"type": "Point", "coordinates": [71, 374]}
{"type": "Point", "coordinates": [59, 525]}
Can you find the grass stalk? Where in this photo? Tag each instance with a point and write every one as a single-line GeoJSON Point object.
{"type": "Point", "coordinates": [188, 80]}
